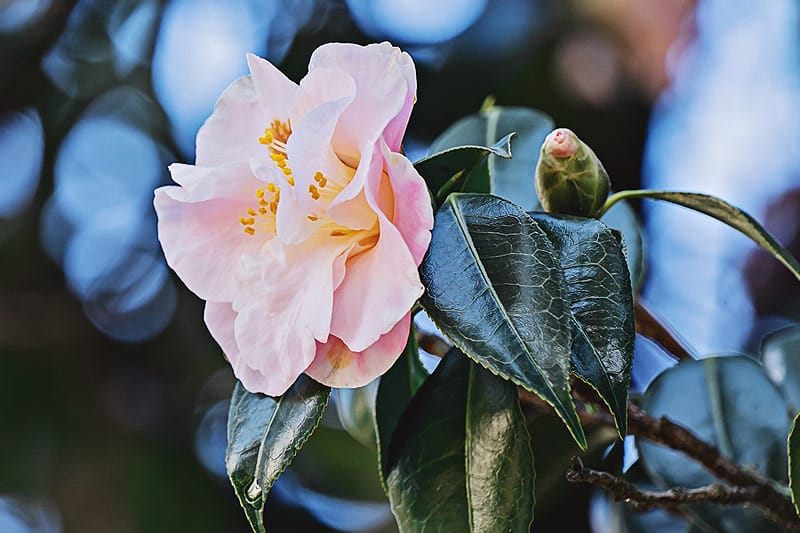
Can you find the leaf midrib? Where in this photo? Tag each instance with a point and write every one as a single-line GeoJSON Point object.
{"type": "Point", "coordinates": [259, 471]}
{"type": "Point", "coordinates": [496, 299]}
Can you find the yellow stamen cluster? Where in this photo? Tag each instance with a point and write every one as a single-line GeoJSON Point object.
{"type": "Point", "coordinates": [322, 182]}
{"type": "Point", "coordinates": [267, 207]}
{"type": "Point", "coordinates": [280, 160]}
{"type": "Point", "coordinates": [277, 135]}
{"type": "Point", "coordinates": [275, 138]}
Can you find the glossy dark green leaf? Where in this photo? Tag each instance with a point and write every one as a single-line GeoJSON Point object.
{"type": "Point", "coordinates": [512, 179]}
{"type": "Point", "coordinates": [599, 288]}
{"type": "Point", "coordinates": [623, 218]}
{"type": "Point", "coordinates": [727, 402]}
{"type": "Point", "coordinates": [730, 215]}
{"type": "Point", "coordinates": [495, 287]}
{"type": "Point", "coordinates": [461, 458]}
{"type": "Point", "coordinates": [451, 169]}
{"type": "Point", "coordinates": [264, 435]}
{"type": "Point", "coordinates": [395, 390]}
{"type": "Point", "coordinates": [794, 463]}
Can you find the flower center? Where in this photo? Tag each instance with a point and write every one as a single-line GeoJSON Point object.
{"type": "Point", "coordinates": [262, 216]}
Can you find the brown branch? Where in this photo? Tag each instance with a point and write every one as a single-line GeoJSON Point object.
{"type": "Point", "coordinates": [432, 343]}
{"type": "Point", "coordinates": [643, 500]}
{"type": "Point", "coordinates": [654, 327]}
{"type": "Point", "coordinates": [663, 431]}
{"type": "Point", "coordinates": [765, 493]}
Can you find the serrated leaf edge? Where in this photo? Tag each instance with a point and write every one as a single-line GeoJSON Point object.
{"type": "Point", "coordinates": [580, 437]}
{"type": "Point", "coordinates": [258, 528]}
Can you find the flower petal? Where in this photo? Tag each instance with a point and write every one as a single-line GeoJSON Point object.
{"type": "Point", "coordinates": [379, 288]}
{"type": "Point", "coordinates": [310, 151]}
{"type": "Point", "coordinates": [350, 207]}
{"type": "Point", "coordinates": [385, 85]}
{"type": "Point", "coordinates": [412, 210]}
{"type": "Point", "coordinates": [242, 112]}
{"type": "Point", "coordinates": [275, 91]}
{"type": "Point", "coordinates": [199, 229]}
{"type": "Point", "coordinates": [284, 304]}
{"type": "Point", "coordinates": [323, 85]}
{"type": "Point", "coordinates": [231, 132]}
{"type": "Point", "coordinates": [336, 366]}
{"type": "Point", "coordinates": [384, 76]}
{"type": "Point", "coordinates": [219, 318]}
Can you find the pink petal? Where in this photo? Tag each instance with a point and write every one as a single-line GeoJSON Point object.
{"type": "Point", "coordinates": [275, 91]}
{"type": "Point", "coordinates": [242, 113]}
{"type": "Point", "coordinates": [219, 319]}
{"type": "Point", "coordinates": [350, 208]}
{"type": "Point", "coordinates": [293, 225]}
{"type": "Point", "coordinates": [384, 77]}
{"type": "Point", "coordinates": [310, 151]}
{"type": "Point", "coordinates": [199, 228]}
{"type": "Point", "coordinates": [284, 304]}
{"type": "Point", "coordinates": [379, 288]}
{"type": "Point", "coordinates": [323, 85]}
{"type": "Point", "coordinates": [231, 132]}
{"type": "Point", "coordinates": [395, 131]}
{"type": "Point", "coordinates": [336, 366]}
{"type": "Point", "coordinates": [234, 180]}
{"type": "Point", "coordinates": [413, 213]}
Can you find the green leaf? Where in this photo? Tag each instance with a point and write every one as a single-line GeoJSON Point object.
{"type": "Point", "coordinates": [623, 218]}
{"type": "Point", "coordinates": [495, 287]}
{"type": "Point", "coordinates": [599, 288]}
{"type": "Point", "coordinates": [727, 402]}
{"type": "Point", "coordinates": [451, 169]}
{"type": "Point", "coordinates": [512, 179]}
{"type": "Point", "coordinates": [396, 389]}
{"type": "Point", "coordinates": [724, 212]}
{"type": "Point", "coordinates": [356, 410]}
{"type": "Point", "coordinates": [264, 435]}
{"type": "Point", "coordinates": [793, 446]}
{"type": "Point", "coordinates": [461, 458]}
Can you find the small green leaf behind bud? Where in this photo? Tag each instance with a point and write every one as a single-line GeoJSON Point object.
{"type": "Point", "coordinates": [569, 177]}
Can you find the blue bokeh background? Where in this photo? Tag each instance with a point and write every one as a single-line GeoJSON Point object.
{"type": "Point", "coordinates": [113, 397]}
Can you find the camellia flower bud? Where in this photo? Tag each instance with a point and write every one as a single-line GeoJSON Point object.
{"type": "Point", "coordinates": [569, 177]}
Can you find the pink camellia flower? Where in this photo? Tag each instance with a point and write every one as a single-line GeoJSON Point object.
{"type": "Point", "coordinates": [301, 223]}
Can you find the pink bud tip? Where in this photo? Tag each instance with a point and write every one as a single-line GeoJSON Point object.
{"type": "Point", "coordinates": [561, 143]}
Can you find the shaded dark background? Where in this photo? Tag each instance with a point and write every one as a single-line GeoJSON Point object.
{"type": "Point", "coordinates": [112, 393]}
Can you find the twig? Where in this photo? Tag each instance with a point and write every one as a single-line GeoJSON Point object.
{"type": "Point", "coordinates": [765, 493]}
{"type": "Point", "coordinates": [653, 327]}
{"type": "Point", "coordinates": [663, 431]}
{"type": "Point", "coordinates": [643, 500]}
